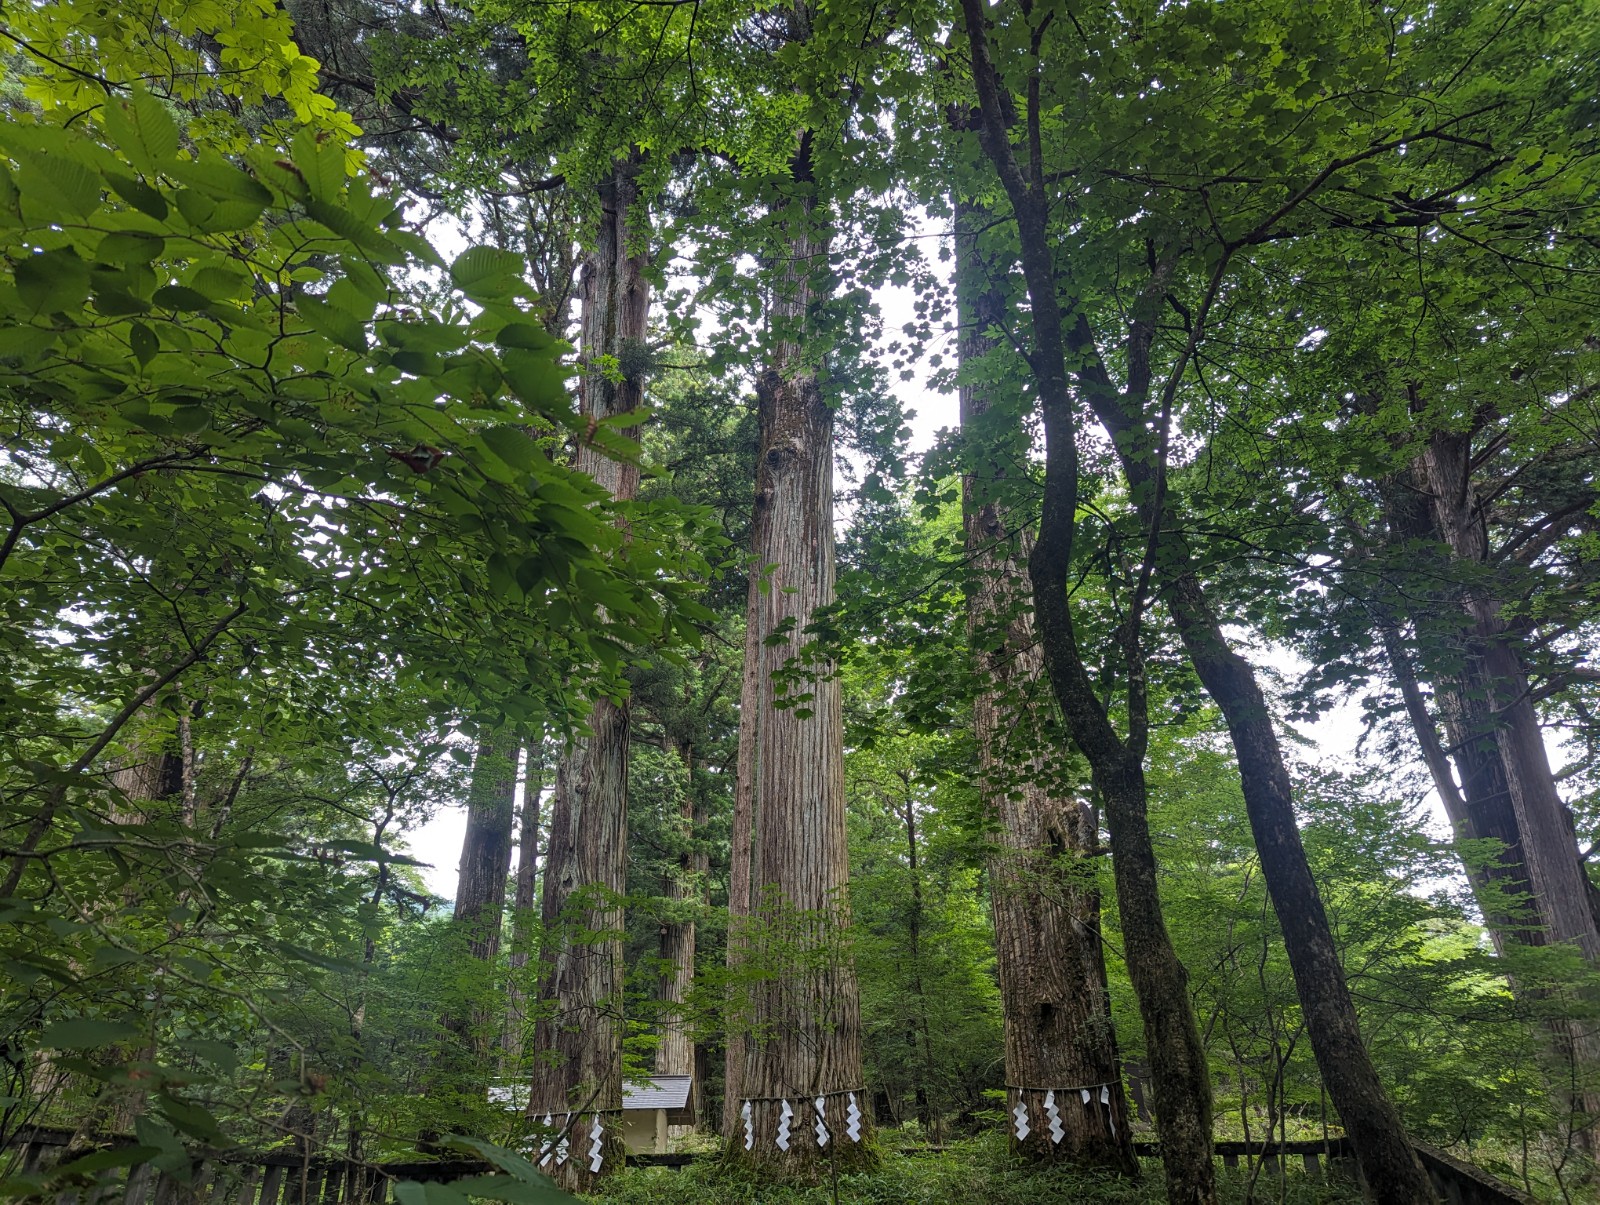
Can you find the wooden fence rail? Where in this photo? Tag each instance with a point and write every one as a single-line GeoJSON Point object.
{"type": "Point", "coordinates": [288, 1178]}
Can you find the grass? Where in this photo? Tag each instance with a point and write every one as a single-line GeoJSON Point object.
{"type": "Point", "coordinates": [980, 1171]}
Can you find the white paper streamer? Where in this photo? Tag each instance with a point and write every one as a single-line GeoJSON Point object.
{"type": "Point", "coordinates": [547, 1148]}
{"type": "Point", "coordinates": [1021, 1114]}
{"type": "Point", "coordinates": [785, 1115]}
{"type": "Point", "coordinates": [749, 1126]}
{"type": "Point", "coordinates": [1057, 1133]}
{"type": "Point", "coordinates": [1085, 1092]}
{"type": "Point", "coordinates": [1111, 1114]}
{"type": "Point", "coordinates": [852, 1120]}
{"type": "Point", "coordinates": [822, 1126]}
{"type": "Point", "coordinates": [561, 1148]}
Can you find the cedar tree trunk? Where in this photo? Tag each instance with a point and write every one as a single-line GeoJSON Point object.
{"type": "Point", "coordinates": [578, 1036]}
{"type": "Point", "coordinates": [805, 1035]}
{"type": "Point", "coordinates": [1055, 1002]}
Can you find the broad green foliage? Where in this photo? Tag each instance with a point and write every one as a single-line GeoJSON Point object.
{"type": "Point", "coordinates": [287, 512]}
{"type": "Point", "coordinates": [211, 58]}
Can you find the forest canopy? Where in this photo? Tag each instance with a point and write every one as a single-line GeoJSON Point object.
{"type": "Point", "coordinates": [1174, 774]}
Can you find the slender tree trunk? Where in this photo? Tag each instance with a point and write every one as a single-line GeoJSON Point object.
{"type": "Point", "coordinates": [1180, 1075]}
{"type": "Point", "coordinates": [524, 923]}
{"type": "Point", "coordinates": [675, 1051]}
{"type": "Point", "coordinates": [736, 1025]}
{"type": "Point", "coordinates": [1393, 1174]}
{"type": "Point", "coordinates": [1056, 1005]}
{"type": "Point", "coordinates": [578, 1036]}
{"type": "Point", "coordinates": [806, 1037]}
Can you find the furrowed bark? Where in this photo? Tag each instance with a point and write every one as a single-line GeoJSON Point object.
{"type": "Point", "coordinates": [481, 882]}
{"type": "Point", "coordinates": [1504, 708]}
{"type": "Point", "coordinates": [1056, 1005]}
{"type": "Point", "coordinates": [486, 849]}
{"type": "Point", "coordinates": [1179, 1072]}
{"type": "Point", "coordinates": [578, 1035]}
{"type": "Point", "coordinates": [805, 1038]}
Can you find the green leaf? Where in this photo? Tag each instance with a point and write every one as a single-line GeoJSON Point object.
{"type": "Point", "coordinates": [129, 247]}
{"type": "Point", "coordinates": [342, 328]}
{"type": "Point", "coordinates": [87, 1035]}
{"type": "Point", "coordinates": [507, 1161]}
{"type": "Point", "coordinates": [513, 446]}
{"type": "Point", "coordinates": [409, 1192]}
{"type": "Point", "coordinates": [180, 298]}
{"type": "Point", "coordinates": [537, 378]}
{"type": "Point", "coordinates": [120, 1156]}
{"type": "Point", "coordinates": [487, 273]}
{"type": "Point", "coordinates": [141, 128]}
{"type": "Point", "coordinates": [510, 1188]}
{"type": "Point", "coordinates": [219, 1054]}
{"type": "Point", "coordinates": [144, 344]}
{"type": "Point", "coordinates": [139, 194]}
{"type": "Point", "coordinates": [53, 281]}
{"type": "Point", "coordinates": [526, 335]}
{"type": "Point", "coordinates": [58, 183]}
{"type": "Point", "coordinates": [213, 215]}
{"type": "Point", "coordinates": [220, 180]}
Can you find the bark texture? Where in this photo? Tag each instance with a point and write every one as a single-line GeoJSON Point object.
{"type": "Point", "coordinates": [1180, 1074]}
{"type": "Point", "coordinates": [480, 898]}
{"type": "Point", "coordinates": [524, 900]}
{"type": "Point", "coordinates": [739, 855]}
{"type": "Point", "coordinates": [1501, 708]}
{"type": "Point", "coordinates": [578, 1034]}
{"type": "Point", "coordinates": [486, 848]}
{"type": "Point", "coordinates": [1055, 1002]}
{"type": "Point", "coordinates": [675, 1054]}
{"type": "Point", "coordinates": [804, 1039]}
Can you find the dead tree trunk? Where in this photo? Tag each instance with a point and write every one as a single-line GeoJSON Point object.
{"type": "Point", "coordinates": [804, 1043]}
{"type": "Point", "coordinates": [578, 1035]}
{"type": "Point", "coordinates": [1059, 1039]}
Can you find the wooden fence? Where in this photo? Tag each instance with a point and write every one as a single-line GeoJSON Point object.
{"type": "Point", "coordinates": [287, 1178]}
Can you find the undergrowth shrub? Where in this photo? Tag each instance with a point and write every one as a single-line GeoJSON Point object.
{"type": "Point", "coordinates": [979, 1171]}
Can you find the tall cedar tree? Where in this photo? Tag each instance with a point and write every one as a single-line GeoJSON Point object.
{"type": "Point", "coordinates": [1179, 1070]}
{"type": "Point", "coordinates": [1383, 1151]}
{"type": "Point", "coordinates": [1058, 1031]}
{"type": "Point", "coordinates": [482, 874]}
{"type": "Point", "coordinates": [803, 1041]}
{"type": "Point", "coordinates": [578, 1035]}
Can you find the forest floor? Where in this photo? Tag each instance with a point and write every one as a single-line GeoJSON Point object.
{"type": "Point", "coordinates": [975, 1172]}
